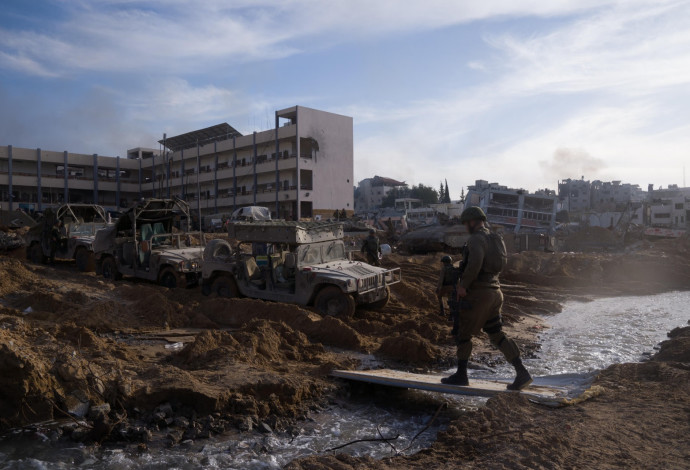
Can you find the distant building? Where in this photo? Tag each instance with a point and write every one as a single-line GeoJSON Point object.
{"type": "Point", "coordinates": [670, 207]}
{"type": "Point", "coordinates": [614, 196]}
{"type": "Point", "coordinates": [514, 208]}
{"type": "Point", "coordinates": [371, 192]}
{"type": "Point", "coordinates": [575, 195]}
{"type": "Point", "coordinates": [579, 196]}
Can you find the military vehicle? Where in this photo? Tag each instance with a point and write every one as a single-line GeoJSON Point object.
{"type": "Point", "coordinates": [435, 238]}
{"type": "Point", "coordinates": [297, 262]}
{"type": "Point", "coordinates": [144, 244]}
{"type": "Point", "coordinates": [80, 224]}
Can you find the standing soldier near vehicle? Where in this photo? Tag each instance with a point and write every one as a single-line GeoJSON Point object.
{"type": "Point", "coordinates": [55, 239]}
{"type": "Point", "coordinates": [446, 282]}
{"type": "Point", "coordinates": [372, 248]}
{"type": "Point", "coordinates": [479, 288]}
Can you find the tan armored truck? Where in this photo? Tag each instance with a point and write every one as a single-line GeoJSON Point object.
{"type": "Point", "coordinates": [142, 244]}
{"type": "Point", "coordinates": [297, 262]}
{"type": "Point", "coordinates": [80, 222]}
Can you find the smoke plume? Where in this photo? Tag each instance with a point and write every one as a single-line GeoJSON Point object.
{"type": "Point", "coordinates": [571, 163]}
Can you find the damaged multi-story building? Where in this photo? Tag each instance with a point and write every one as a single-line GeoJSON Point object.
{"type": "Point", "coordinates": [515, 209]}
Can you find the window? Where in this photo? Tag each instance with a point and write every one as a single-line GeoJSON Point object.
{"type": "Point", "coordinates": [680, 206]}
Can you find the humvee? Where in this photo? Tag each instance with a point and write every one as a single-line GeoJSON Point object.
{"type": "Point", "coordinates": [80, 224]}
{"type": "Point", "coordinates": [142, 244]}
{"type": "Point", "coordinates": [305, 263]}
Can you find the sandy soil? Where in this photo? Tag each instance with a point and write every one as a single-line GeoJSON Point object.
{"type": "Point", "coordinates": [67, 338]}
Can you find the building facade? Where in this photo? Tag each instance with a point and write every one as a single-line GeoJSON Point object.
{"type": "Point", "coordinates": [34, 179]}
{"type": "Point", "coordinates": [372, 191]}
{"type": "Point", "coordinates": [517, 209]}
{"type": "Point", "coordinates": [301, 168]}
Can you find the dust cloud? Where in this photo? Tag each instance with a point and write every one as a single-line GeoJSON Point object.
{"type": "Point", "coordinates": [570, 163]}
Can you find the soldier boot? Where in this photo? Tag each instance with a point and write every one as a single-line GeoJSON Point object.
{"type": "Point", "coordinates": [460, 377]}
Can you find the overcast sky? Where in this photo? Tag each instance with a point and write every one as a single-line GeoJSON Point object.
{"type": "Point", "coordinates": [519, 92]}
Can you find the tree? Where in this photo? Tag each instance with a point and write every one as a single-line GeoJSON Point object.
{"type": "Point", "coordinates": [446, 194]}
{"type": "Point", "coordinates": [441, 193]}
{"type": "Point", "coordinates": [393, 194]}
{"type": "Point", "coordinates": [462, 195]}
{"type": "Point", "coordinates": [426, 194]}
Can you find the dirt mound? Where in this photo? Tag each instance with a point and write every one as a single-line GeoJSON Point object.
{"type": "Point", "coordinates": [409, 348]}
{"type": "Point", "coordinates": [27, 386]}
{"type": "Point", "coordinates": [329, 331]}
{"type": "Point", "coordinates": [14, 276]}
{"type": "Point", "coordinates": [258, 342]}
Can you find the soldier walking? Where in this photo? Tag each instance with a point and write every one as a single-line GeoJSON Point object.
{"type": "Point", "coordinates": [372, 248]}
{"type": "Point", "coordinates": [484, 259]}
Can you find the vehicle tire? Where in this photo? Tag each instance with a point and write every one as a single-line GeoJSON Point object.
{"type": "Point", "coordinates": [83, 259]}
{"type": "Point", "coordinates": [109, 269]}
{"type": "Point", "coordinates": [225, 286]}
{"type": "Point", "coordinates": [168, 278]}
{"type": "Point", "coordinates": [380, 304]}
{"type": "Point", "coordinates": [331, 300]}
{"type": "Point", "coordinates": [36, 254]}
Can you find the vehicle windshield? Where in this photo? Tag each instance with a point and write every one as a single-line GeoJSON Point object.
{"type": "Point", "coordinates": [81, 230]}
{"type": "Point", "coordinates": [311, 254]}
{"type": "Point", "coordinates": [335, 251]}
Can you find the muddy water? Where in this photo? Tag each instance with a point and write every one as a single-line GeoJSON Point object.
{"type": "Point", "coordinates": [327, 429]}
{"type": "Point", "coordinates": [583, 338]}
{"type": "Point", "coordinates": [590, 336]}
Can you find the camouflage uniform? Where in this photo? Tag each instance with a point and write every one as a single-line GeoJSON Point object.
{"type": "Point", "coordinates": [445, 286]}
{"type": "Point", "coordinates": [372, 248]}
{"type": "Point", "coordinates": [485, 298]}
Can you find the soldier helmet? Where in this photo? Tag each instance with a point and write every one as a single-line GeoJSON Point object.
{"type": "Point", "coordinates": [472, 213]}
{"type": "Point", "coordinates": [447, 260]}
{"type": "Point", "coordinates": [372, 231]}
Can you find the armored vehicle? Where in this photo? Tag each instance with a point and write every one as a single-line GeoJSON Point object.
{"type": "Point", "coordinates": [435, 238]}
{"type": "Point", "coordinates": [144, 244]}
{"type": "Point", "coordinates": [80, 222]}
{"type": "Point", "coordinates": [297, 262]}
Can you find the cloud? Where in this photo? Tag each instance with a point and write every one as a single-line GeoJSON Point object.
{"type": "Point", "coordinates": [613, 82]}
{"type": "Point", "coordinates": [185, 37]}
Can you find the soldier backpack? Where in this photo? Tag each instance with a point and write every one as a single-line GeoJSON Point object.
{"type": "Point", "coordinates": [497, 256]}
